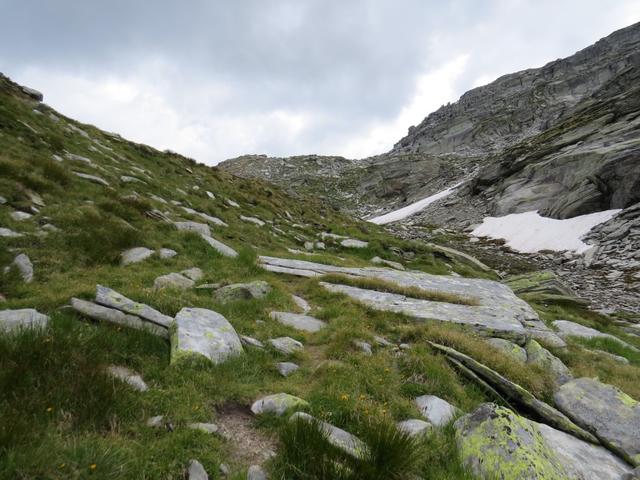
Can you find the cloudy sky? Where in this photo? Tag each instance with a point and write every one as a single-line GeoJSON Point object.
{"type": "Point", "coordinates": [214, 79]}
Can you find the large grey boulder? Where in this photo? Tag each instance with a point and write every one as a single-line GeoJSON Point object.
{"type": "Point", "coordinates": [11, 320]}
{"type": "Point", "coordinates": [242, 291]}
{"type": "Point", "coordinates": [278, 404]}
{"type": "Point", "coordinates": [339, 438]}
{"type": "Point", "coordinates": [23, 263]}
{"type": "Point", "coordinates": [173, 280]}
{"type": "Point", "coordinates": [439, 412]}
{"type": "Point", "coordinates": [111, 315]}
{"type": "Point", "coordinates": [298, 321]}
{"type": "Point", "coordinates": [497, 443]}
{"type": "Point", "coordinates": [202, 332]}
{"type": "Point", "coordinates": [607, 412]}
{"type": "Point", "coordinates": [135, 255]}
{"type": "Point", "coordinates": [128, 376]}
{"type": "Point", "coordinates": [286, 345]}
{"type": "Point", "coordinates": [110, 298]}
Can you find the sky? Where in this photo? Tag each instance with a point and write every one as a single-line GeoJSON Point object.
{"type": "Point", "coordinates": [215, 79]}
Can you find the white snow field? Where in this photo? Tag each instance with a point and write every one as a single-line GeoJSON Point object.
{"type": "Point", "coordinates": [412, 208]}
{"type": "Point", "coordinates": [529, 232]}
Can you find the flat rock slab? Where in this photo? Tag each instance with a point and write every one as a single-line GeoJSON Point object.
{"type": "Point", "coordinates": [202, 332]}
{"type": "Point", "coordinates": [607, 412]}
{"type": "Point", "coordinates": [286, 345]}
{"type": "Point", "coordinates": [498, 307]}
{"type": "Point", "coordinates": [11, 320]}
{"type": "Point", "coordinates": [221, 248]}
{"type": "Point", "coordinates": [135, 255]}
{"type": "Point", "coordinates": [414, 427]}
{"type": "Point", "coordinates": [254, 220]}
{"type": "Point", "coordinates": [110, 298]}
{"type": "Point", "coordinates": [111, 315]}
{"type": "Point", "coordinates": [339, 438]}
{"type": "Point", "coordinates": [439, 412]}
{"type": "Point", "coordinates": [572, 329]}
{"type": "Point", "coordinates": [298, 321]}
{"type": "Point", "coordinates": [278, 404]}
{"type": "Point", "coordinates": [128, 376]}
{"type": "Point", "coordinates": [497, 443]}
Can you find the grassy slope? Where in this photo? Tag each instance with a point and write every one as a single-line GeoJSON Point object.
{"type": "Point", "coordinates": [60, 414]}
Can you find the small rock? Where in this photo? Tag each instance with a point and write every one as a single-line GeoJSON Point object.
{"type": "Point", "coordinates": [339, 438]}
{"type": "Point", "coordinates": [92, 178]}
{"type": "Point", "coordinates": [353, 243]}
{"type": "Point", "coordinates": [196, 471]}
{"type": "Point", "coordinates": [253, 220]}
{"type": "Point", "coordinates": [194, 273]}
{"type": "Point", "coordinates": [220, 247]}
{"type": "Point", "coordinates": [383, 342]}
{"type": "Point", "coordinates": [301, 303]}
{"type": "Point", "coordinates": [536, 355]}
{"type": "Point", "coordinates": [156, 422]}
{"type": "Point", "coordinates": [24, 266]}
{"type": "Point", "coordinates": [251, 342]}
{"type": "Point", "coordinates": [242, 291]}
{"type": "Point", "coordinates": [11, 320]}
{"type": "Point", "coordinates": [201, 228]}
{"type": "Point", "coordinates": [278, 404]}
{"type": "Point", "coordinates": [135, 255]}
{"type": "Point", "coordinates": [110, 298]}
{"type": "Point", "coordinates": [173, 280]}
{"type": "Point", "coordinates": [20, 216]}
{"type": "Point", "coordinates": [389, 263]}
{"type": "Point", "coordinates": [224, 468]}
{"type": "Point", "coordinates": [8, 233]}
{"type": "Point", "coordinates": [363, 346]}
{"type": "Point", "coordinates": [166, 253]}
{"type": "Point", "coordinates": [255, 472]}
{"type": "Point", "coordinates": [128, 376]}
{"type": "Point", "coordinates": [514, 351]}
{"type": "Point", "coordinates": [298, 321]}
{"type": "Point", "coordinates": [231, 203]}
{"type": "Point", "coordinates": [204, 427]}
{"type": "Point", "coordinates": [414, 427]}
{"type": "Point", "coordinates": [438, 411]}
{"type": "Point", "coordinates": [286, 345]}
{"type": "Point", "coordinates": [286, 368]}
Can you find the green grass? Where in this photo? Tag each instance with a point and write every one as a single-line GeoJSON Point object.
{"type": "Point", "coordinates": [386, 286]}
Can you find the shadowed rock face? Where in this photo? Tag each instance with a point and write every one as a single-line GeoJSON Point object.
{"type": "Point", "coordinates": [562, 139]}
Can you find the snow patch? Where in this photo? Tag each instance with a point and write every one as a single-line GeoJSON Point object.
{"type": "Point", "coordinates": [529, 232]}
{"type": "Point", "coordinates": [412, 208]}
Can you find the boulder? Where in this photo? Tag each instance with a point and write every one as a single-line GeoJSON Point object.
{"type": "Point", "coordinates": [514, 351]}
{"type": "Point", "coordinates": [202, 332]}
{"type": "Point", "coordinates": [278, 404]}
{"type": "Point", "coordinates": [607, 412]}
{"type": "Point", "coordinates": [173, 280]}
{"type": "Point", "coordinates": [98, 312]}
{"type": "Point", "coordinates": [439, 412]}
{"type": "Point", "coordinates": [414, 427]}
{"type": "Point", "coordinates": [23, 263]}
{"type": "Point", "coordinates": [110, 298]}
{"type": "Point", "coordinates": [298, 321]}
{"type": "Point", "coordinates": [286, 345]}
{"type": "Point", "coordinates": [495, 442]}
{"type": "Point", "coordinates": [286, 368]}
{"type": "Point", "coordinates": [11, 320]}
{"type": "Point", "coordinates": [537, 355]}
{"type": "Point", "coordinates": [128, 376]}
{"type": "Point", "coordinates": [242, 291]}
{"type": "Point", "coordinates": [135, 255]}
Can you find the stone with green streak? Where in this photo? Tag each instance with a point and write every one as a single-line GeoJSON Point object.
{"type": "Point", "coordinates": [606, 411]}
{"type": "Point", "coordinates": [278, 404]}
{"type": "Point", "coordinates": [198, 332]}
{"type": "Point", "coordinates": [537, 355]}
{"type": "Point", "coordinates": [112, 299]}
{"type": "Point", "coordinates": [495, 442]}
{"type": "Point", "coordinates": [514, 351]}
